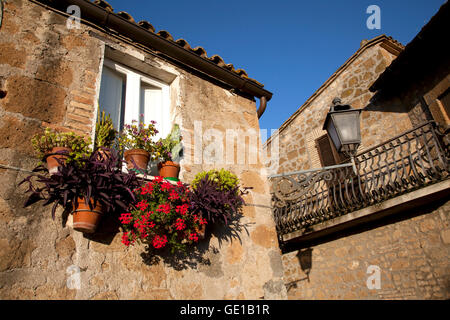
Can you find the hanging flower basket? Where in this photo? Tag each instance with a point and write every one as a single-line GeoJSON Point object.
{"type": "Point", "coordinates": [86, 219]}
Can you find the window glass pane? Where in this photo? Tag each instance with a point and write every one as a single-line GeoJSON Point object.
{"type": "Point", "coordinates": [112, 95]}
{"type": "Point", "coordinates": [151, 105]}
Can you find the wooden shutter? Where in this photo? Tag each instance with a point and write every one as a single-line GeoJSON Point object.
{"type": "Point", "coordinates": [326, 152]}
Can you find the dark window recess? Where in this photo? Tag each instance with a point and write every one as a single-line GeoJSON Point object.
{"type": "Point", "coordinates": [445, 101]}
{"type": "Point", "coordinates": [327, 152]}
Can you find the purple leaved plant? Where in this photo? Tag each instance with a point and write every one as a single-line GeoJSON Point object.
{"type": "Point", "coordinates": [214, 204]}
{"type": "Point", "coordinates": [98, 177]}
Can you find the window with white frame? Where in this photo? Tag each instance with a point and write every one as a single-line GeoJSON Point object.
{"type": "Point", "coordinates": [126, 94]}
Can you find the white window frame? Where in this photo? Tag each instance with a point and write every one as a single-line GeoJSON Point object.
{"type": "Point", "coordinates": [133, 96]}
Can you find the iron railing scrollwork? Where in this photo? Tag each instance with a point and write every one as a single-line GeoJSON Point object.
{"type": "Point", "coordinates": [412, 160]}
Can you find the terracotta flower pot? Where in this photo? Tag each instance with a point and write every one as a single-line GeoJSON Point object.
{"type": "Point", "coordinates": [52, 163]}
{"type": "Point", "coordinates": [84, 219]}
{"type": "Point", "coordinates": [139, 156]}
{"type": "Point", "coordinates": [201, 231]}
{"type": "Point", "coordinates": [169, 169]}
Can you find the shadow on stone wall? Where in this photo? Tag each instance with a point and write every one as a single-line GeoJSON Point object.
{"type": "Point", "coordinates": [196, 256]}
{"type": "Point", "coordinates": [110, 226]}
{"type": "Point", "coordinates": [304, 257]}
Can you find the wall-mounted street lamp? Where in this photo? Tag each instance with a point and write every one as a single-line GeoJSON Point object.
{"type": "Point", "coordinates": [343, 126]}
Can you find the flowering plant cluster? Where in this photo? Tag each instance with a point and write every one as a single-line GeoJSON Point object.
{"type": "Point", "coordinates": [138, 136]}
{"type": "Point", "coordinates": [162, 152]}
{"type": "Point", "coordinates": [169, 148]}
{"type": "Point", "coordinates": [161, 218]}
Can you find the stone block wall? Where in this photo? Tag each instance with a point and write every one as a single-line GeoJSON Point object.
{"type": "Point", "coordinates": [297, 136]}
{"type": "Point", "coordinates": [50, 76]}
{"type": "Point", "coordinates": [411, 251]}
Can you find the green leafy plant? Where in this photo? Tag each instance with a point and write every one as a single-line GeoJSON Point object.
{"type": "Point", "coordinates": [223, 179]}
{"type": "Point", "coordinates": [105, 132]}
{"type": "Point", "coordinates": [138, 136]}
{"type": "Point", "coordinates": [43, 143]}
{"type": "Point", "coordinates": [170, 148]}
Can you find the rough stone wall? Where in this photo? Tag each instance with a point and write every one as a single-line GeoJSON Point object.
{"type": "Point", "coordinates": [51, 78]}
{"type": "Point", "coordinates": [412, 252]}
{"type": "Point", "coordinates": [412, 255]}
{"type": "Point", "coordinates": [297, 147]}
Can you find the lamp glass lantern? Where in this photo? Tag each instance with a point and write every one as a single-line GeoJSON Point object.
{"type": "Point", "coordinates": [343, 126]}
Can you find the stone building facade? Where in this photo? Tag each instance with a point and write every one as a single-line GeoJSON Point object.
{"type": "Point", "coordinates": [297, 136]}
{"type": "Point", "coordinates": [50, 76]}
{"type": "Point", "coordinates": [397, 88]}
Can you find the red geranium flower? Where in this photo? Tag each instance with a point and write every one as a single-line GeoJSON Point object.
{"type": "Point", "coordinates": [125, 239]}
{"type": "Point", "coordinates": [179, 224]}
{"type": "Point", "coordinates": [164, 208]}
{"type": "Point", "coordinates": [166, 186]}
{"type": "Point", "coordinates": [193, 236]}
{"type": "Point", "coordinates": [182, 209]}
{"type": "Point", "coordinates": [159, 241]}
{"type": "Point", "coordinates": [142, 205]}
{"type": "Point", "coordinates": [125, 218]}
{"type": "Point", "coordinates": [173, 195]}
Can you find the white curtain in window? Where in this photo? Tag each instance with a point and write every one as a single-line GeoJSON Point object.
{"type": "Point", "coordinates": [151, 106]}
{"type": "Point", "coordinates": [111, 95]}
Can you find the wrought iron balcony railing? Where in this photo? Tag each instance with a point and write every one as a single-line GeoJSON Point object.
{"type": "Point", "coordinates": [412, 160]}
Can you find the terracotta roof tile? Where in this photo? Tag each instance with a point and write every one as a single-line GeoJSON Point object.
{"type": "Point", "coordinates": [242, 72]}
{"type": "Point", "coordinates": [105, 5]}
{"type": "Point", "coordinates": [181, 42]}
{"type": "Point", "coordinates": [147, 26]}
{"type": "Point", "coordinates": [230, 67]}
{"type": "Point", "coordinates": [165, 34]}
{"type": "Point", "coordinates": [200, 51]}
{"type": "Point", "coordinates": [218, 60]}
{"type": "Point", "coordinates": [126, 16]}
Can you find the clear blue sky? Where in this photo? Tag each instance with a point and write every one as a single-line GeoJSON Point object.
{"type": "Point", "coordinates": [291, 46]}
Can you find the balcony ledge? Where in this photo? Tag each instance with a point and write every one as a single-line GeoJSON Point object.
{"type": "Point", "coordinates": [377, 211]}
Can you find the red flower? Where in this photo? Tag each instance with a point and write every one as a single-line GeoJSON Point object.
{"type": "Point", "coordinates": [166, 186]}
{"type": "Point", "coordinates": [164, 208]}
{"type": "Point", "coordinates": [173, 195]}
{"type": "Point", "coordinates": [147, 189]}
{"type": "Point", "coordinates": [159, 179]}
{"type": "Point", "coordinates": [179, 224]}
{"type": "Point", "coordinates": [193, 236]}
{"type": "Point", "coordinates": [142, 205]}
{"type": "Point", "coordinates": [159, 242]}
{"type": "Point", "coordinates": [182, 209]}
{"type": "Point", "coordinates": [125, 218]}
{"type": "Point", "coordinates": [125, 239]}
